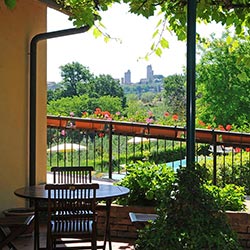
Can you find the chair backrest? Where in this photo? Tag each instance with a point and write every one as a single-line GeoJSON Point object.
{"type": "Point", "coordinates": [72, 175]}
{"type": "Point", "coordinates": [71, 204]}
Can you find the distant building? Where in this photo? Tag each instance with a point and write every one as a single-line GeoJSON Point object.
{"type": "Point", "coordinates": [127, 77]}
{"type": "Point", "coordinates": [143, 81]}
{"type": "Point", "coordinates": [150, 74]}
{"type": "Point", "coordinates": [52, 85]}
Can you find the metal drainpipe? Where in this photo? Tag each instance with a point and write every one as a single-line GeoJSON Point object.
{"type": "Point", "coordinates": [33, 74]}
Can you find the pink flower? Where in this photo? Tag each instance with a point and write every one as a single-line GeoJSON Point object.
{"type": "Point", "coordinates": [150, 113]}
{"type": "Point", "coordinates": [166, 114]}
{"type": "Point", "coordinates": [149, 120]}
{"type": "Point", "coordinates": [71, 114]}
{"type": "Point", "coordinates": [118, 113]}
{"type": "Point", "coordinates": [63, 132]}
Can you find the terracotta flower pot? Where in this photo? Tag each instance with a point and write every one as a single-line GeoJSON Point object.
{"type": "Point", "coordinates": [236, 138]}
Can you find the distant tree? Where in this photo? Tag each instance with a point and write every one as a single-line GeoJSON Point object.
{"type": "Point", "coordinates": [175, 94]}
{"type": "Point", "coordinates": [223, 81]}
{"type": "Point", "coordinates": [63, 106]}
{"type": "Point", "coordinates": [76, 79]}
{"type": "Point", "coordinates": [148, 97]}
{"type": "Point", "coordinates": [105, 103]}
{"type": "Point", "coordinates": [79, 104]}
{"type": "Point", "coordinates": [106, 85]}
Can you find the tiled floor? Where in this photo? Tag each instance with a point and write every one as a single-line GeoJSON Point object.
{"type": "Point", "coordinates": [26, 243]}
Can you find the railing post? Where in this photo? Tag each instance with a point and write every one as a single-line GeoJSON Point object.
{"type": "Point", "coordinates": [214, 158]}
{"type": "Point", "coordinates": [110, 151]}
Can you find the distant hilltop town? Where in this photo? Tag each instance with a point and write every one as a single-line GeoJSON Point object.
{"type": "Point", "coordinates": [126, 80]}
{"type": "Point", "coordinates": [151, 78]}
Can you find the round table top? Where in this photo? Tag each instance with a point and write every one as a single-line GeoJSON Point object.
{"type": "Point", "coordinates": [105, 191]}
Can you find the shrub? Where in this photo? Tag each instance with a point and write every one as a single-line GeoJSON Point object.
{"type": "Point", "coordinates": [231, 197]}
{"type": "Point", "coordinates": [188, 219]}
{"type": "Point", "coordinates": [237, 173]}
{"type": "Point", "coordinates": [147, 182]}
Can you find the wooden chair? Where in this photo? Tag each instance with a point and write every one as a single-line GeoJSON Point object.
{"type": "Point", "coordinates": [71, 214]}
{"type": "Point", "coordinates": [72, 175]}
{"type": "Point", "coordinates": [11, 227]}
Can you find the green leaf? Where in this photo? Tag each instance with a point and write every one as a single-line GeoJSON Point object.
{"type": "Point", "coordinates": [10, 3]}
{"type": "Point", "coordinates": [164, 43]}
{"type": "Point", "coordinates": [155, 33]}
{"type": "Point", "coordinates": [229, 39]}
{"type": "Point", "coordinates": [158, 52]}
{"type": "Point", "coordinates": [242, 76]}
{"type": "Point", "coordinates": [106, 39]}
{"type": "Point", "coordinates": [97, 33]}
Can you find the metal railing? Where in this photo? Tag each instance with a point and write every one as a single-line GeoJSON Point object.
{"type": "Point", "coordinates": [109, 145]}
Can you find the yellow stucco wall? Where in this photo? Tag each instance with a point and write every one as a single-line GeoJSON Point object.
{"type": "Point", "coordinates": [17, 28]}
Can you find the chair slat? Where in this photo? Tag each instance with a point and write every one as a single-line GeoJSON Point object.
{"type": "Point", "coordinates": [74, 175]}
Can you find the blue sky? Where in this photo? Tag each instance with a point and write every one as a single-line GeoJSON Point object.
{"type": "Point", "coordinates": [114, 57]}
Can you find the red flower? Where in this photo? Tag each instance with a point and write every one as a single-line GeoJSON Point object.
{"type": "Point", "coordinates": [84, 113]}
{"type": "Point", "coordinates": [166, 114]}
{"type": "Point", "coordinates": [221, 127]}
{"type": "Point", "coordinates": [202, 123]}
{"type": "Point", "coordinates": [228, 127]}
{"type": "Point", "coordinates": [247, 149]}
{"type": "Point", "coordinates": [98, 111]}
{"type": "Point", "coordinates": [237, 150]}
{"type": "Point", "coordinates": [175, 117]}
{"type": "Point", "coordinates": [101, 135]}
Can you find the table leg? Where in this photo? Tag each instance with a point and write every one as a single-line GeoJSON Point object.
{"type": "Point", "coordinates": [107, 236]}
{"type": "Point", "coordinates": [36, 232]}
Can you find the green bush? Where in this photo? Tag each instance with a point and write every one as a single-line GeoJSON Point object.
{"type": "Point", "coordinates": [147, 182]}
{"type": "Point", "coordinates": [230, 197]}
{"type": "Point", "coordinates": [237, 173]}
{"type": "Point", "coordinates": [190, 218]}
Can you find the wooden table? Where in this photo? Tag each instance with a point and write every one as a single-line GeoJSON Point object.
{"type": "Point", "coordinates": [38, 194]}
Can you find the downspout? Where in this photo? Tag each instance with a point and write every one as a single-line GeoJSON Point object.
{"type": "Point", "coordinates": [33, 83]}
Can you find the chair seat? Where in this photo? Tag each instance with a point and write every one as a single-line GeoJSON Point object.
{"type": "Point", "coordinates": [71, 226]}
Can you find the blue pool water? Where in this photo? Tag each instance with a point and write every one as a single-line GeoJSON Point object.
{"type": "Point", "coordinates": [183, 162]}
{"type": "Point", "coordinates": [176, 164]}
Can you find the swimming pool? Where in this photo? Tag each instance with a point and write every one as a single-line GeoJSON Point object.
{"type": "Point", "coordinates": [183, 162]}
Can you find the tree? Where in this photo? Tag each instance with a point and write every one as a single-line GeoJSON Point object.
{"type": "Point", "coordinates": [63, 106]}
{"type": "Point", "coordinates": [105, 103]}
{"type": "Point", "coordinates": [175, 94]}
{"type": "Point", "coordinates": [105, 85]}
{"type": "Point", "coordinates": [79, 104]}
{"type": "Point", "coordinates": [223, 81]}
{"type": "Point", "coordinates": [76, 79]}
